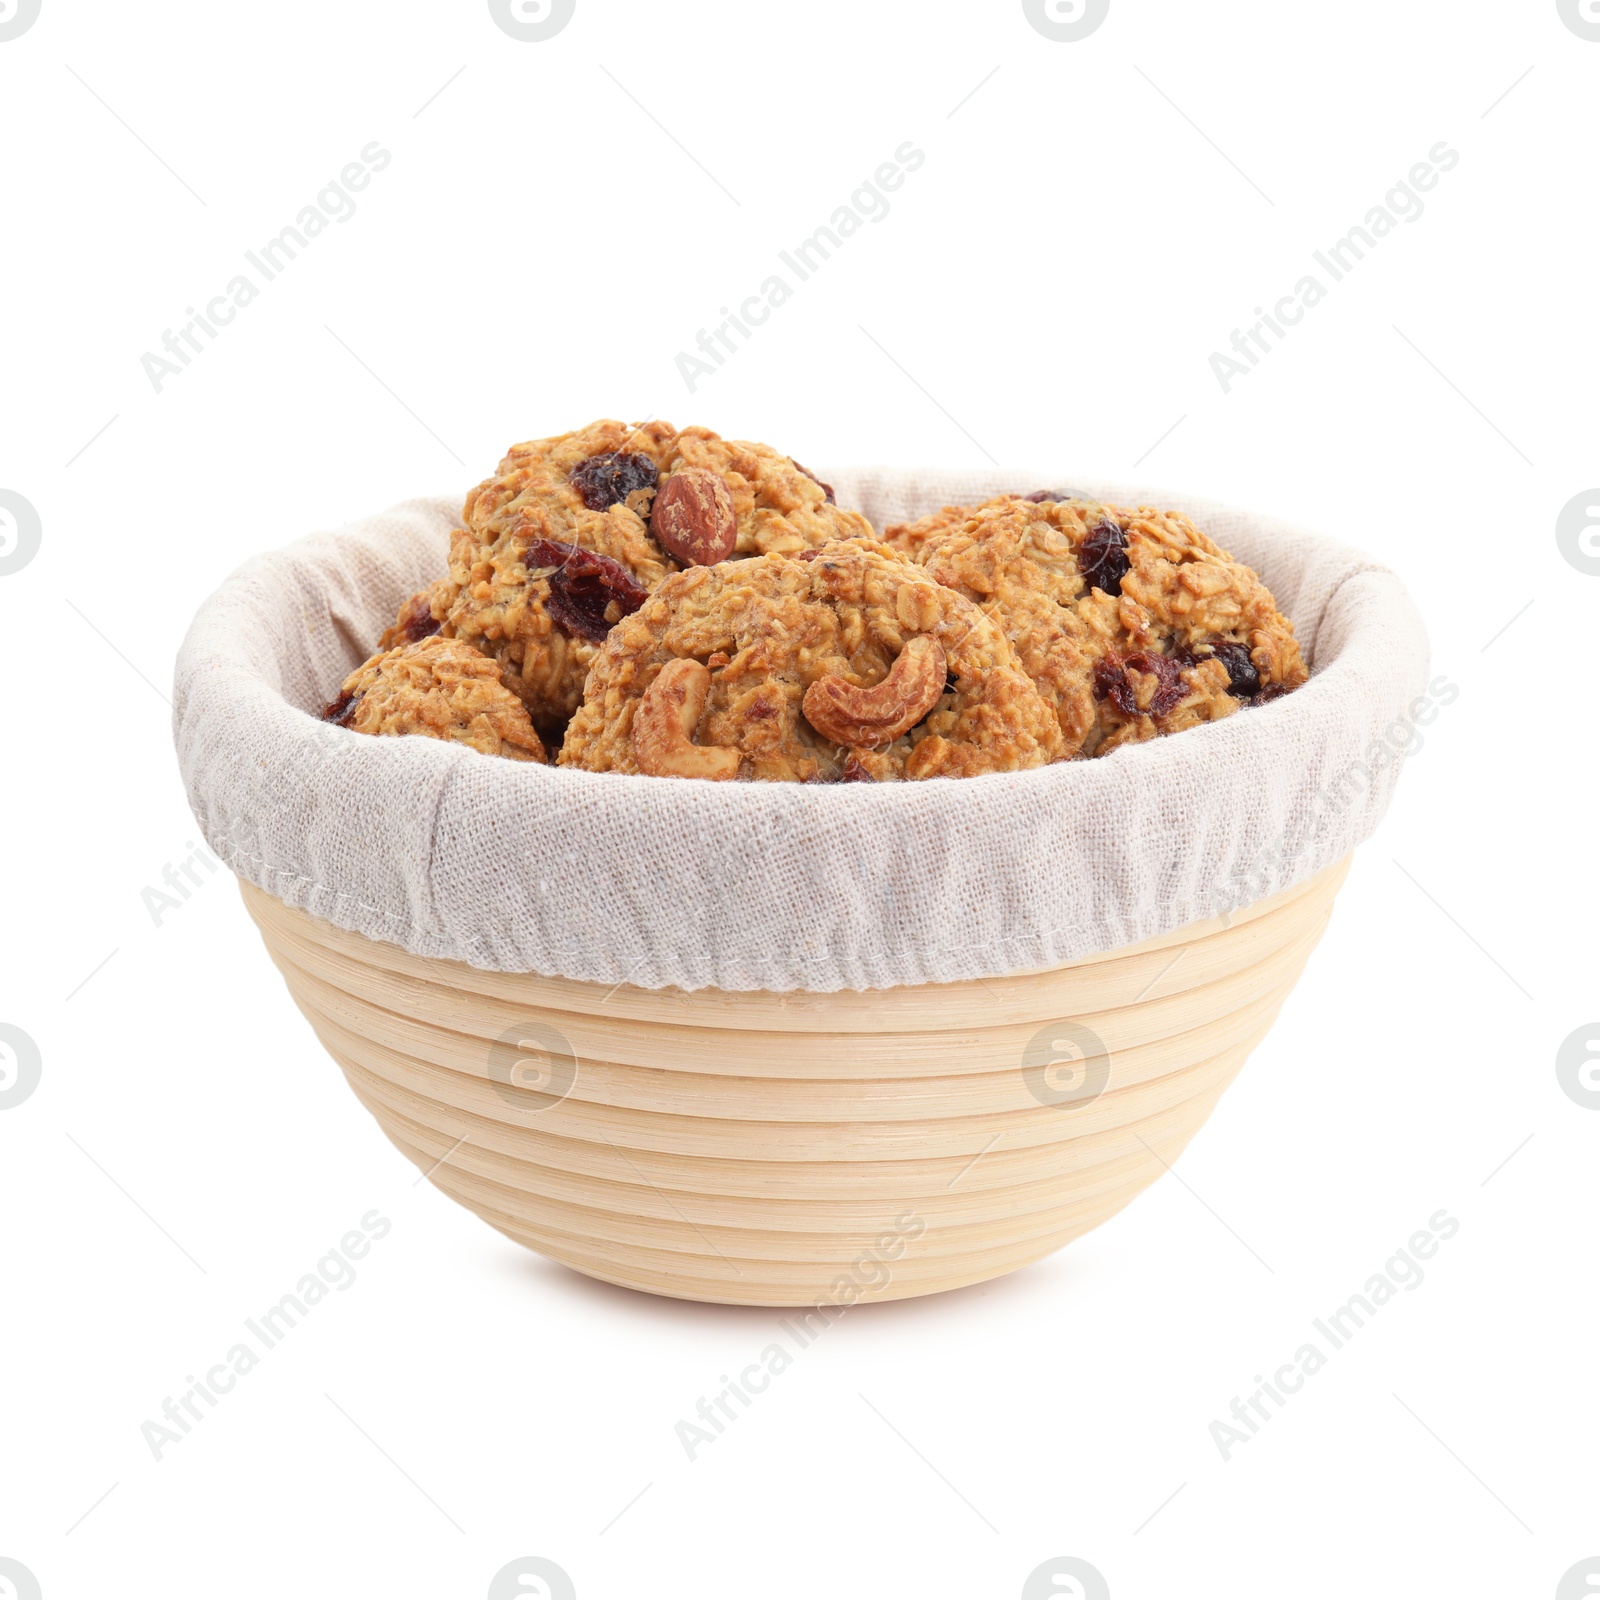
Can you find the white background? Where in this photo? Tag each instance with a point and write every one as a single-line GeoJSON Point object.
{"type": "Point", "coordinates": [1048, 287]}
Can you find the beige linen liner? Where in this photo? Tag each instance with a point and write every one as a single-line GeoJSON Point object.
{"type": "Point", "coordinates": [661, 882]}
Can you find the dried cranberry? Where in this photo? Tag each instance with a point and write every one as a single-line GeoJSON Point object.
{"type": "Point", "coordinates": [1171, 689]}
{"type": "Point", "coordinates": [1103, 557]}
{"type": "Point", "coordinates": [1243, 679]}
{"type": "Point", "coordinates": [1111, 681]}
{"type": "Point", "coordinates": [1268, 693]}
{"type": "Point", "coordinates": [583, 584]}
{"type": "Point", "coordinates": [827, 488]}
{"type": "Point", "coordinates": [609, 478]}
{"type": "Point", "coordinates": [1045, 497]}
{"type": "Point", "coordinates": [339, 711]}
{"type": "Point", "coordinates": [416, 621]}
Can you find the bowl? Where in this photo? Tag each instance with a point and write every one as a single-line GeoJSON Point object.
{"type": "Point", "coordinates": [789, 1044]}
{"type": "Point", "coordinates": [799, 1148]}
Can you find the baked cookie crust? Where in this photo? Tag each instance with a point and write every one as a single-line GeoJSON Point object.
{"type": "Point", "coordinates": [1131, 621]}
{"type": "Point", "coordinates": [847, 663]}
{"type": "Point", "coordinates": [442, 689]}
{"type": "Point", "coordinates": [544, 615]}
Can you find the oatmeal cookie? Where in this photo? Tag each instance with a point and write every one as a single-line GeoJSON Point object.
{"type": "Point", "coordinates": [844, 663]}
{"type": "Point", "coordinates": [572, 532]}
{"type": "Point", "coordinates": [1131, 622]}
{"type": "Point", "coordinates": [441, 688]}
{"type": "Point", "coordinates": [1185, 599]}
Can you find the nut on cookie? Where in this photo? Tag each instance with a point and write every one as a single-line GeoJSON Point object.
{"type": "Point", "coordinates": [572, 531]}
{"type": "Point", "coordinates": [841, 663]}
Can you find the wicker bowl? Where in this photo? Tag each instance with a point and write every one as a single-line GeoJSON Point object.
{"type": "Point", "coordinates": [799, 1149]}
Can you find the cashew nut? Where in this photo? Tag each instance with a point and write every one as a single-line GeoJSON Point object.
{"type": "Point", "coordinates": [848, 715]}
{"type": "Point", "coordinates": [665, 721]}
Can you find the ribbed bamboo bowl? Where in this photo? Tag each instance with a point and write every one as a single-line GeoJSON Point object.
{"type": "Point", "coordinates": [797, 1149]}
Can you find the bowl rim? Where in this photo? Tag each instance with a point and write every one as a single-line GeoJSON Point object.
{"type": "Point", "coordinates": [676, 883]}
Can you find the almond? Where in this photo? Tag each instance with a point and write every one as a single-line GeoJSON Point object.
{"type": "Point", "coordinates": [693, 518]}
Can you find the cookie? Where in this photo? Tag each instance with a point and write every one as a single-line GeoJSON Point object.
{"type": "Point", "coordinates": [1132, 623]}
{"type": "Point", "coordinates": [639, 503]}
{"type": "Point", "coordinates": [443, 689]}
{"type": "Point", "coordinates": [844, 663]}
